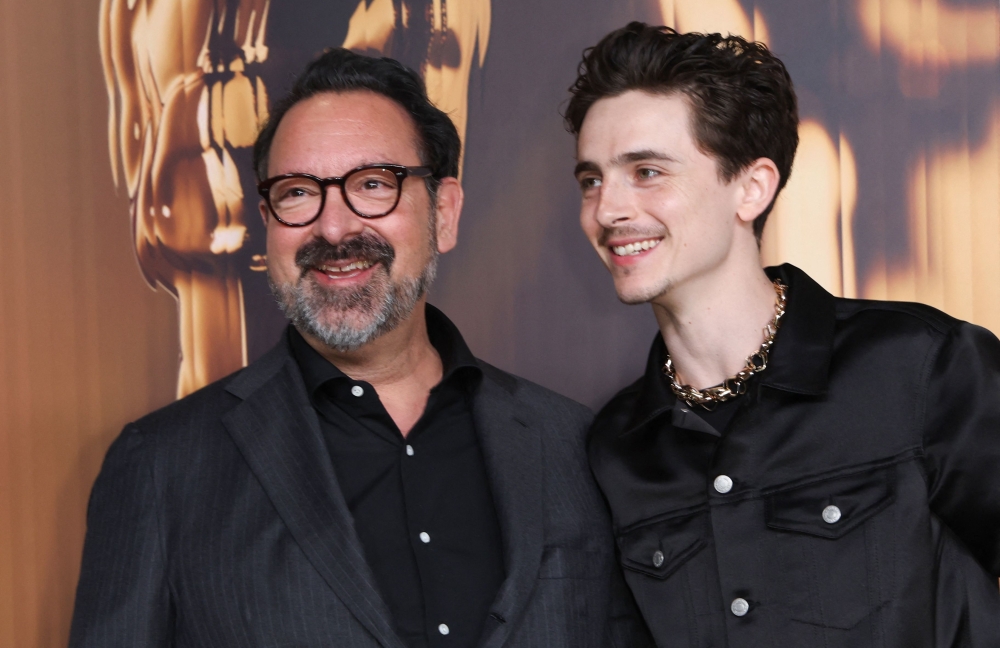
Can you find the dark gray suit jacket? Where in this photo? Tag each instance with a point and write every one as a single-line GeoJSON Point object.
{"type": "Point", "coordinates": [218, 521]}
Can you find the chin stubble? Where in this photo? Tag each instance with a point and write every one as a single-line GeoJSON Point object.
{"type": "Point", "coordinates": [346, 320]}
{"type": "Point", "coordinates": [645, 296]}
{"type": "Point", "coordinates": [649, 294]}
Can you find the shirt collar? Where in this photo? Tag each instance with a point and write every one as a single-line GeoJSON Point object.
{"type": "Point", "coordinates": [799, 362]}
{"type": "Point", "coordinates": [655, 395]}
{"type": "Point", "coordinates": [444, 336]}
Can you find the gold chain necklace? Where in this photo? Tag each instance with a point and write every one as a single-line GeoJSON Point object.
{"type": "Point", "coordinates": [756, 362]}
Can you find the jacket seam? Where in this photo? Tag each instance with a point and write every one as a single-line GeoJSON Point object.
{"type": "Point", "coordinates": [908, 454]}
{"type": "Point", "coordinates": [938, 321]}
{"type": "Point", "coordinates": [161, 540]}
{"type": "Point", "coordinates": [663, 517]}
{"type": "Point", "coordinates": [921, 402]}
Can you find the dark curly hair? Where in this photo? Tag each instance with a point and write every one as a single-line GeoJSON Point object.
{"type": "Point", "coordinates": [341, 70]}
{"type": "Point", "coordinates": [741, 96]}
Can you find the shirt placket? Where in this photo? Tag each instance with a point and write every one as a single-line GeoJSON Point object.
{"type": "Point", "coordinates": [423, 536]}
{"type": "Point", "coordinates": [737, 515]}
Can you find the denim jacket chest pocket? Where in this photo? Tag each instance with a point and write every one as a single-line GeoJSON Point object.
{"type": "Point", "coordinates": [658, 549]}
{"type": "Point", "coordinates": [669, 565]}
{"type": "Point", "coordinates": [833, 539]}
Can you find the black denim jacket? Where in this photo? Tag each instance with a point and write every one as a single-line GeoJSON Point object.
{"type": "Point", "coordinates": [860, 504]}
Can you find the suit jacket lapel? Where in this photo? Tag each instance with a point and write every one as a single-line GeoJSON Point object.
{"type": "Point", "coordinates": [278, 433]}
{"type": "Point", "coordinates": [512, 451]}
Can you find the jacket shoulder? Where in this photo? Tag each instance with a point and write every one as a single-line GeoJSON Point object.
{"type": "Point", "coordinates": [212, 401]}
{"type": "Point", "coordinates": [543, 401]}
{"type": "Point", "coordinates": [616, 413]}
{"type": "Point", "coordinates": [900, 316]}
{"type": "Point", "coordinates": [202, 406]}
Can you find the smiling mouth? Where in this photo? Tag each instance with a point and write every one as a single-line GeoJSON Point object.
{"type": "Point", "coordinates": [634, 248]}
{"type": "Point", "coordinates": [334, 270]}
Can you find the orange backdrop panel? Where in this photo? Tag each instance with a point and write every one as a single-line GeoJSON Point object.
{"type": "Point", "coordinates": [85, 345]}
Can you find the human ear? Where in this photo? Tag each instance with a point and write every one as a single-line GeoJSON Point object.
{"type": "Point", "coordinates": [449, 209]}
{"type": "Point", "coordinates": [758, 185]}
{"type": "Point", "coordinates": [265, 213]}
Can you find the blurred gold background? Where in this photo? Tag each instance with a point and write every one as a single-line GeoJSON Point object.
{"type": "Point", "coordinates": [185, 93]}
{"type": "Point", "coordinates": [84, 344]}
{"type": "Point", "coordinates": [953, 190]}
{"type": "Point", "coordinates": [124, 159]}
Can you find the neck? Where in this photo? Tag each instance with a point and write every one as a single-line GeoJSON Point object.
{"type": "Point", "coordinates": [396, 356]}
{"type": "Point", "coordinates": [713, 322]}
{"type": "Point", "coordinates": [401, 365]}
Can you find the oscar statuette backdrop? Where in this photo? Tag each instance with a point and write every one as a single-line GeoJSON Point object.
{"type": "Point", "coordinates": [132, 257]}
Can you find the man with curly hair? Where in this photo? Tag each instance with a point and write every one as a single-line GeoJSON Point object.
{"type": "Point", "coordinates": [793, 469]}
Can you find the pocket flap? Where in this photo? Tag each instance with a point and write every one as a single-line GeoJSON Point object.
{"type": "Point", "coordinates": [659, 548]}
{"type": "Point", "coordinates": [832, 507]}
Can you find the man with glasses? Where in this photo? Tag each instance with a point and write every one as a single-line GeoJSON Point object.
{"type": "Point", "coordinates": [368, 482]}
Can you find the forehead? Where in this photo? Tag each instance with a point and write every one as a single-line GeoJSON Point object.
{"type": "Point", "coordinates": [636, 121]}
{"type": "Point", "coordinates": [332, 132]}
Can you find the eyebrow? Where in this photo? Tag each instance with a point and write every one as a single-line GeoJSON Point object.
{"type": "Point", "coordinates": [639, 156]}
{"type": "Point", "coordinates": [625, 158]}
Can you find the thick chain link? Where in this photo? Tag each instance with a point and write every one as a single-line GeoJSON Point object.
{"type": "Point", "coordinates": [756, 362]}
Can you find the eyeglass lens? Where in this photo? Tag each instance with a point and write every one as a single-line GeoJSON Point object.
{"type": "Point", "coordinates": [370, 192]}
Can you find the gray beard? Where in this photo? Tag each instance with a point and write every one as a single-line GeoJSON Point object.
{"type": "Point", "coordinates": [377, 307]}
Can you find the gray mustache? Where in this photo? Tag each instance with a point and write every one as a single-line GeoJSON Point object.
{"type": "Point", "coordinates": [364, 247]}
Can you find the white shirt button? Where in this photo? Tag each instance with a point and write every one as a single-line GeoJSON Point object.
{"type": "Point", "coordinates": [740, 607]}
{"type": "Point", "coordinates": [409, 450]}
{"type": "Point", "coordinates": [723, 484]}
{"type": "Point", "coordinates": [831, 514]}
{"type": "Point", "coordinates": [444, 629]}
{"type": "Point", "coordinates": [425, 538]}
{"type": "Point", "coordinates": [358, 391]}
{"type": "Point", "coordinates": [658, 559]}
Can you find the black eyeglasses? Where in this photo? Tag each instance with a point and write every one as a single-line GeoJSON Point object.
{"type": "Point", "coordinates": [371, 191]}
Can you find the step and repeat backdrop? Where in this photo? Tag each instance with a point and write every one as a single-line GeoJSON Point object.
{"type": "Point", "coordinates": [132, 261]}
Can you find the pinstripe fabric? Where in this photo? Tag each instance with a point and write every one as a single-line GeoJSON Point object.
{"type": "Point", "coordinates": [217, 521]}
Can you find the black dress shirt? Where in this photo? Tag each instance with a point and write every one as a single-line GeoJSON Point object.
{"type": "Point", "coordinates": [852, 500]}
{"type": "Point", "coordinates": [422, 504]}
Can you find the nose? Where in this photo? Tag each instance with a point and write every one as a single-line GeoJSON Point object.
{"type": "Point", "coordinates": [614, 204]}
{"type": "Point", "coordinates": [336, 222]}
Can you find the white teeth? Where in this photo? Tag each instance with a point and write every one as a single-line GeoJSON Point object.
{"type": "Point", "coordinates": [635, 248]}
{"type": "Point", "coordinates": [350, 267]}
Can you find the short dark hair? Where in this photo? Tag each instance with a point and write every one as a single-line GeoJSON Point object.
{"type": "Point", "coordinates": [341, 70]}
{"type": "Point", "coordinates": [742, 101]}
